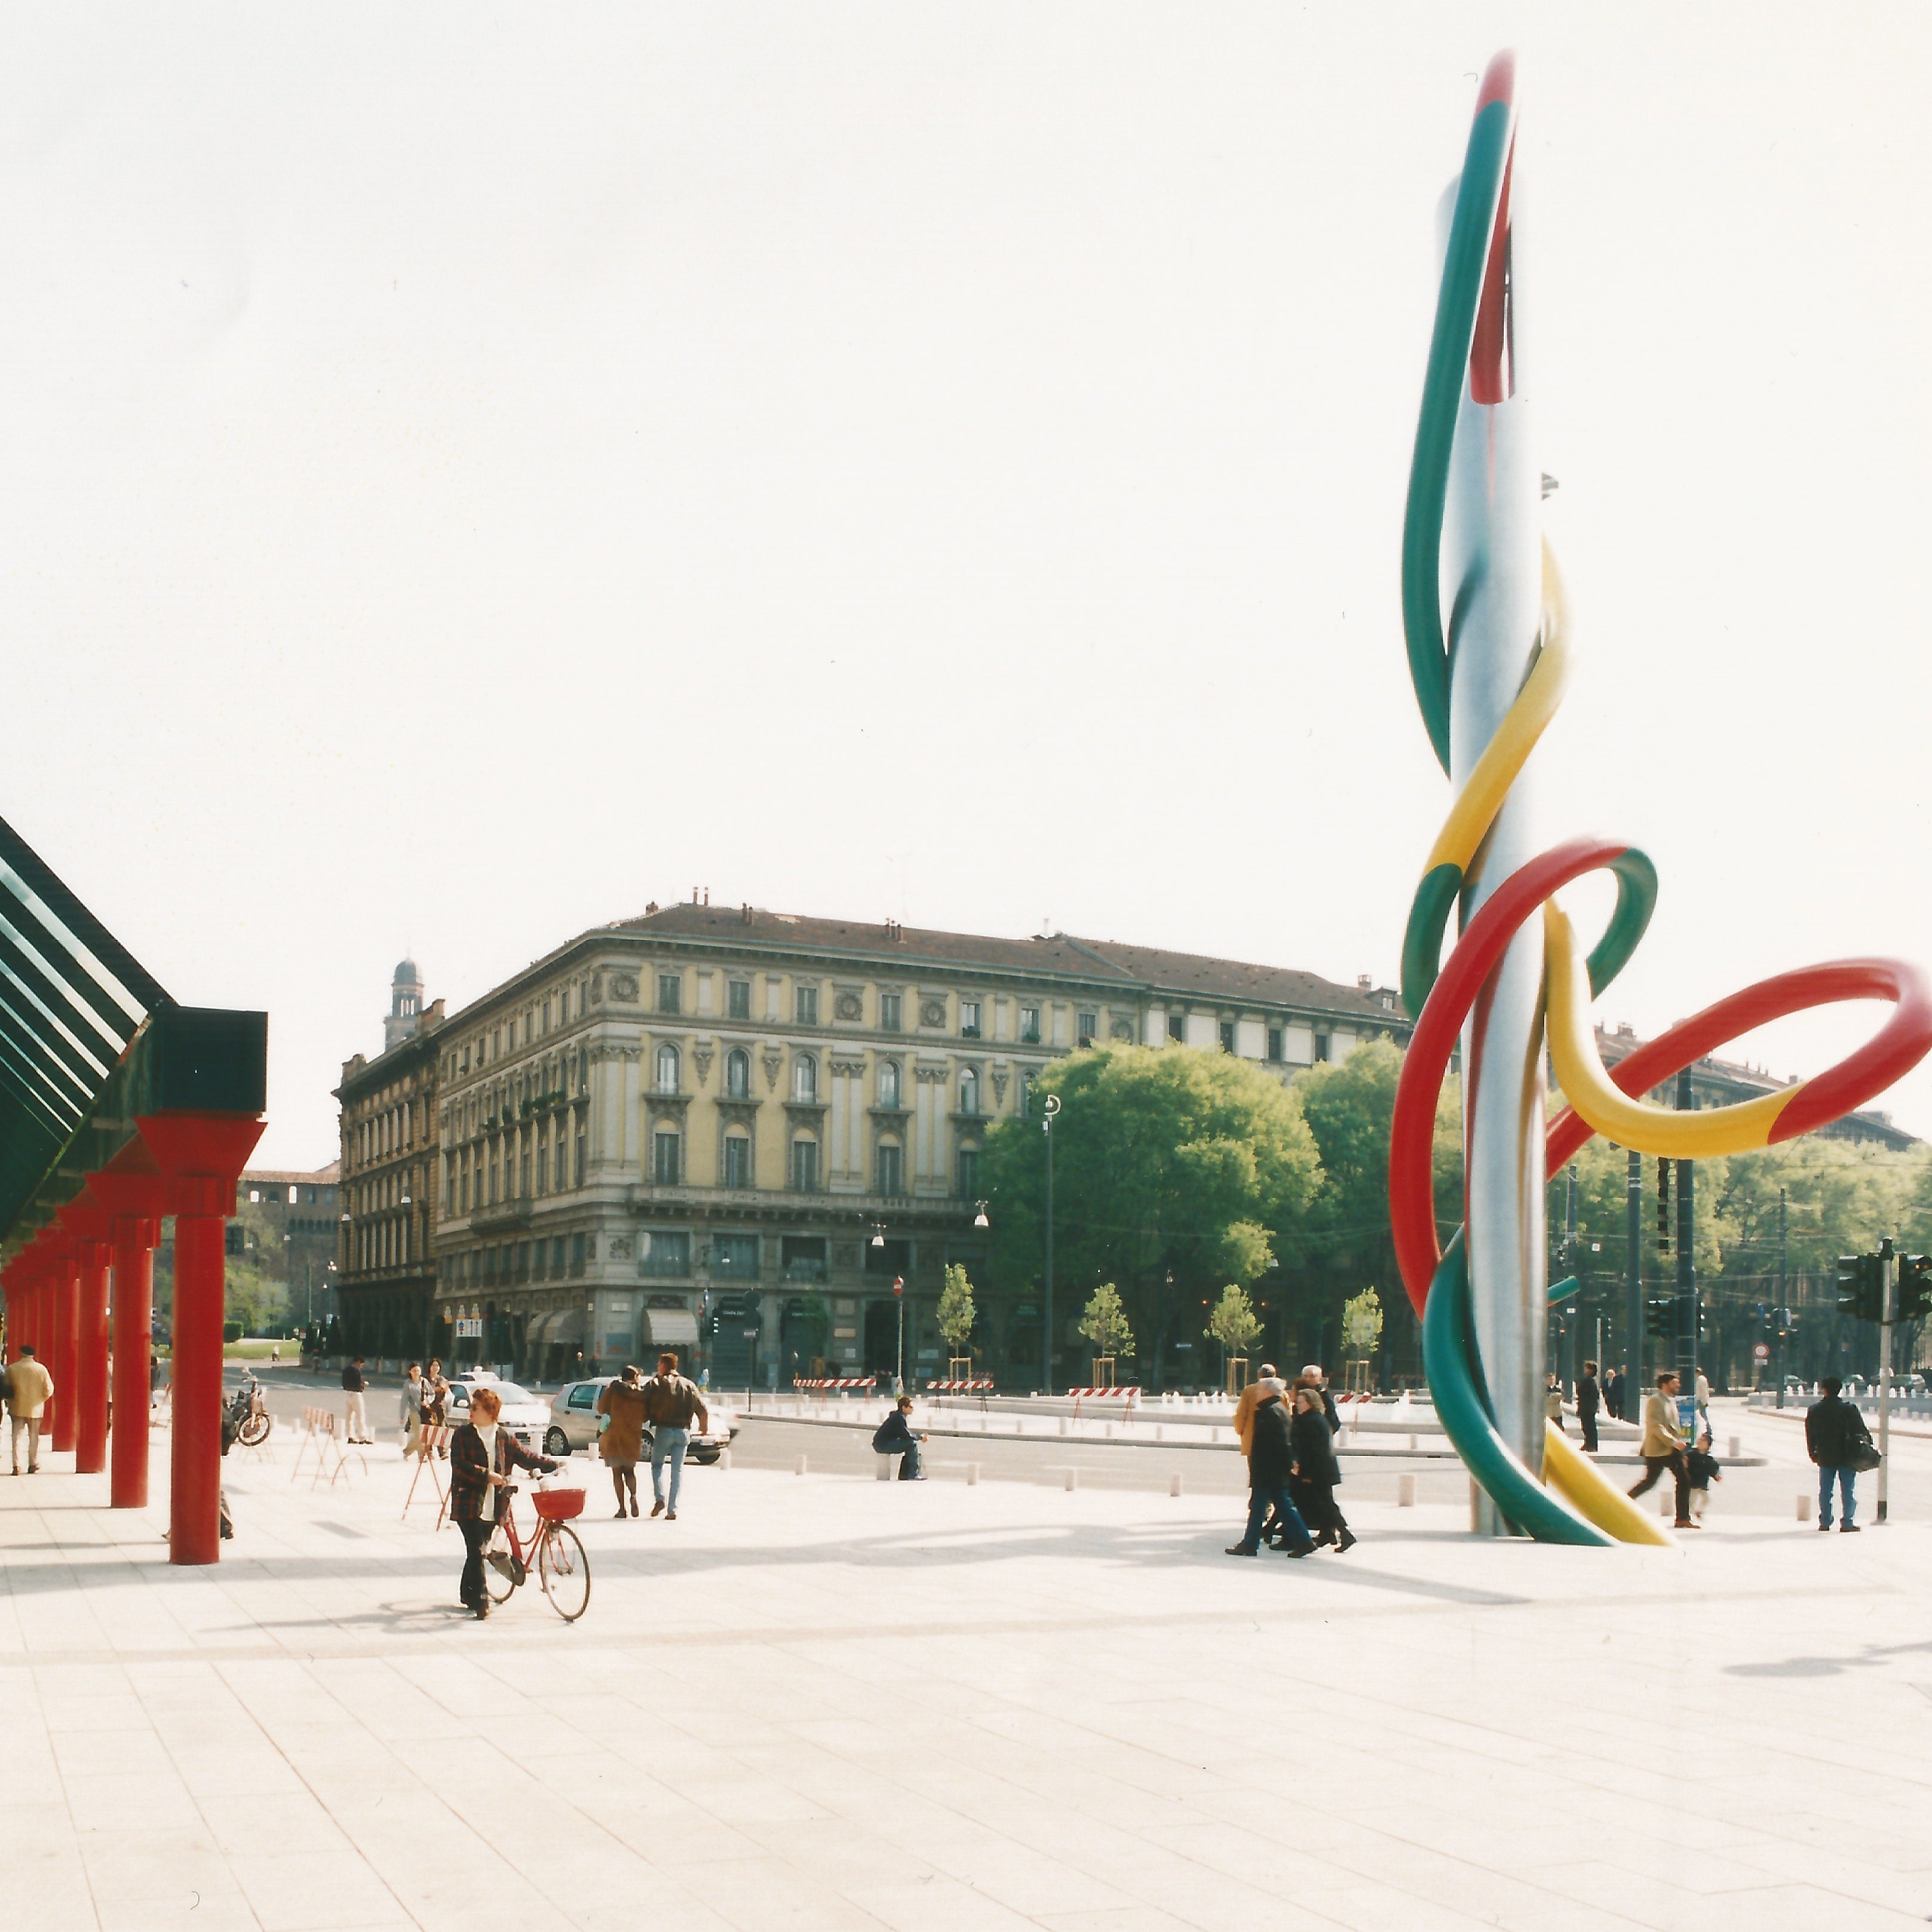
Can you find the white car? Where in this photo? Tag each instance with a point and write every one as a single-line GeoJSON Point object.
{"type": "Point", "coordinates": [524, 1415]}
{"type": "Point", "coordinates": [574, 1420]}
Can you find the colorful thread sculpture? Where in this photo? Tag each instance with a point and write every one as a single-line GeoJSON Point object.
{"type": "Point", "coordinates": [1509, 909]}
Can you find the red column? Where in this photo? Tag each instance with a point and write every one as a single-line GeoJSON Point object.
{"type": "Point", "coordinates": [132, 1192]}
{"type": "Point", "coordinates": [201, 1155]}
{"type": "Point", "coordinates": [67, 1336]}
{"type": "Point", "coordinates": [90, 1439]}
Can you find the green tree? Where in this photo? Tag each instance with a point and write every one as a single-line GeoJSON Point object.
{"type": "Point", "coordinates": [1234, 1323]}
{"type": "Point", "coordinates": [1105, 1323]}
{"type": "Point", "coordinates": [1173, 1171]}
{"type": "Point", "coordinates": [957, 1313]}
{"type": "Point", "coordinates": [1362, 1325]}
{"type": "Point", "coordinates": [255, 1293]}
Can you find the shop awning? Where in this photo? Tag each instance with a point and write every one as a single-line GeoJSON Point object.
{"type": "Point", "coordinates": [565, 1325]}
{"type": "Point", "coordinates": [669, 1328]}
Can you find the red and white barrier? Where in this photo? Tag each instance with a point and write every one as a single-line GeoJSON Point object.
{"type": "Point", "coordinates": [971, 1384]}
{"type": "Point", "coordinates": [1132, 1394]}
{"type": "Point", "coordinates": [840, 1382]}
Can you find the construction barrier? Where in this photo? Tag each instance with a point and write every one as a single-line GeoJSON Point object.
{"type": "Point", "coordinates": [972, 1385]}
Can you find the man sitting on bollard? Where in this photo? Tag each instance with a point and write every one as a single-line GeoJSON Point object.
{"type": "Point", "coordinates": [896, 1436]}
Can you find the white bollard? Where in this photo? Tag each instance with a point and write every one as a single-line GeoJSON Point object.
{"type": "Point", "coordinates": [800, 1470]}
{"type": "Point", "coordinates": [884, 1472]}
{"type": "Point", "coordinates": [972, 1475]}
{"type": "Point", "coordinates": [1411, 1445]}
{"type": "Point", "coordinates": [1062, 1425]}
{"type": "Point", "coordinates": [1405, 1492]}
{"type": "Point", "coordinates": [1072, 1480]}
{"type": "Point", "coordinates": [1174, 1484]}
{"type": "Point", "coordinates": [1737, 1446]}
{"type": "Point", "coordinates": [724, 1459]}
{"type": "Point", "coordinates": [1803, 1505]}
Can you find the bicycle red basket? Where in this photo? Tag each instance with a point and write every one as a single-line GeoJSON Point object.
{"type": "Point", "coordinates": [557, 1505]}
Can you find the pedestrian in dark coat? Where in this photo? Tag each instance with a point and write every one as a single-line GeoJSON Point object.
{"type": "Point", "coordinates": [1835, 1436]}
{"type": "Point", "coordinates": [480, 1457]}
{"type": "Point", "coordinates": [1270, 1457]}
{"type": "Point", "coordinates": [1312, 1377]}
{"type": "Point", "coordinates": [1588, 1402]}
{"type": "Point", "coordinates": [1615, 1384]}
{"type": "Point", "coordinates": [1313, 1471]}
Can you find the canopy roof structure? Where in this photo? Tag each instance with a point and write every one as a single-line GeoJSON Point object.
{"type": "Point", "coordinates": [89, 1039]}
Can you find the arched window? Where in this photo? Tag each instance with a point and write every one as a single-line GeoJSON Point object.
{"type": "Point", "coordinates": [969, 1090]}
{"type": "Point", "coordinates": [667, 1068]}
{"type": "Point", "coordinates": [805, 1078]}
{"type": "Point", "coordinates": [738, 1073]}
{"type": "Point", "coordinates": [888, 1083]}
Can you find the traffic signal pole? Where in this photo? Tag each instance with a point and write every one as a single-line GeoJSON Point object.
{"type": "Point", "coordinates": [1686, 1361]}
{"type": "Point", "coordinates": [1888, 1314]}
{"type": "Point", "coordinates": [1633, 1383]}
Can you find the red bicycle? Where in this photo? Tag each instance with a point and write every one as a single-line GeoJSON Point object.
{"type": "Point", "coordinates": [562, 1565]}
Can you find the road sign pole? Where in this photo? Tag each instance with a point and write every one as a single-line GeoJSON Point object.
{"type": "Point", "coordinates": [1888, 1311]}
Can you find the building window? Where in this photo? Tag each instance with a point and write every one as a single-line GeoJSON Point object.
{"type": "Point", "coordinates": [1025, 1102]}
{"type": "Point", "coordinates": [1176, 1026]}
{"type": "Point", "coordinates": [738, 1074]}
{"type": "Point", "coordinates": [891, 1169]}
{"type": "Point", "coordinates": [890, 1009]}
{"type": "Point", "coordinates": [737, 1161]}
{"type": "Point", "coordinates": [1086, 1028]}
{"type": "Point", "coordinates": [664, 1163]}
{"type": "Point", "coordinates": [805, 1167]}
{"type": "Point", "coordinates": [1274, 1043]}
{"type": "Point", "coordinates": [805, 1078]}
{"type": "Point", "coordinates": [969, 1173]}
{"type": "Point", "coordinates": [735, 1256]}
{"type": "Point", "coordinates": [969, 1090]}
{"type": "Point", "coordinates": [1227, 1036]}
{"type": "Point", "coordinates": [666, 1069]}
{"type": "Point", "coordinates": [1029, 1025]}
{"type": "Point", "coordinates": [738, 999]}
{"type": "Point", "coordinates": [664, 1254]}
{"type": "Point", "coordinates": [543, 1165]}
{"type": "Point", "coordinates": [969, 1019]}
{"type": "Point", "coordinates": [888, 1083]}
{"type": "Point", "coordinates": [1321, 1047]}
{"type": "Point", "coordinates": [805, 1005]}
{"type": "Point", "coordinates": [671, 992]}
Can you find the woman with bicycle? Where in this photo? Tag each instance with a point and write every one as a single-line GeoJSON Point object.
{"type": "Point", "coordinates": [481, 1455]}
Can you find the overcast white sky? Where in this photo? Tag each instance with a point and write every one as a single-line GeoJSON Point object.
{"type": "Point", "coordinates": [469, 471]}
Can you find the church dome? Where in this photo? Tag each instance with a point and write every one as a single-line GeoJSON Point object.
{"type": "Point", "coordinates": [406, 974]}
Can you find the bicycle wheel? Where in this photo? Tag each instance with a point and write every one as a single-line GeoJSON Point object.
{"type": "Point", "coordinates": [500, 1582]}
{"type": "Point", "coordinates": [565, 1566]}
{"type": "Point", "coordinates": [255, 1431]}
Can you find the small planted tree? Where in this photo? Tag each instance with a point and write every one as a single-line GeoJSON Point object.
{"type": "Point", "coordinates": [1361, 1332]}
{"type": "Point", "coordinates": [1235, 1325]}
{"type": "Point", "coordinates": [1106, 1325]}
{"type": "Point", "coordinates": [957, 1315]}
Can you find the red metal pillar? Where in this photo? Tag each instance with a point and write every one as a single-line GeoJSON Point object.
{"type": "Point", "coordinates": [90, 1439]}
{"type": "Point", "coordinates": [66, 1334]}
{"type": "Point", "coordinates": [131, 1190]}
{"type": "Point", "coordinates": [201, 1157]}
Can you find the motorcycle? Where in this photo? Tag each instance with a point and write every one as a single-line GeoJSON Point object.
{"type": "Point", "coordinates": [248, 1416]}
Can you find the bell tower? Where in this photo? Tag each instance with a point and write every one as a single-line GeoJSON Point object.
{"type": "Point", "coordinates": [406, 1005]}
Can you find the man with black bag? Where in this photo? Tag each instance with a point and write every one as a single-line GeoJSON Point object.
{"type": "Point", "coordinates": [1839, 1442]}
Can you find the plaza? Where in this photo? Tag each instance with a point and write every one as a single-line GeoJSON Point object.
{"type": "Point", "coordinates": [820, 1701]}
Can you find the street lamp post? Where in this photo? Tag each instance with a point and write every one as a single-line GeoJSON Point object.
{"type": "Point", "coordinates": [1048, 1110]}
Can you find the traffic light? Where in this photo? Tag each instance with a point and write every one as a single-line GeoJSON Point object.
{"type": "Point", "coordinates": [1861, 1287]}
{"type": "Point", "coordinates": [1915, 1287]}
{"type": "Point", "coordinates": [1662, 1205]}
{"type": "Point", "coordinates": [1659, 1317]}
{"type": "Point", "coordinates": [232, 1238]}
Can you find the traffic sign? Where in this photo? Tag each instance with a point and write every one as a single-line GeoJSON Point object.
{"type": "Point", "coordinates": [1762, 1351]}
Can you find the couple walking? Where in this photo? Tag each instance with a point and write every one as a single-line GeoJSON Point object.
{"type": "Point", "coordinates": [1289, 1441]}
{"type": "Point", "coordinates": [668, 1403]}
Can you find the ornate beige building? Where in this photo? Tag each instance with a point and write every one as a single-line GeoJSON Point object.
{"type": "Point", "coordinates": [732, 1130]}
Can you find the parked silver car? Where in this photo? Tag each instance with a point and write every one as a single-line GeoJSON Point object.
{"type": "Point", "coordinates": [573, 1423]}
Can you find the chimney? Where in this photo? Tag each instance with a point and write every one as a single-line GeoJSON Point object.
{"type": "Point", "coordinates": [745, 912]}
{"type": "Point", "coordinates": [1364, 982]}
{"type": "Point", "coordinates": [650, 908]}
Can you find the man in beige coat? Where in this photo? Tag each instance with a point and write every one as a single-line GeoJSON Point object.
{"type": "Point", "coordinates": [1663, 1447]}
{"type": "Point", "coordinates": [29, 1389]}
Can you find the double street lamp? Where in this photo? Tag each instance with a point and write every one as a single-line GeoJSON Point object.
{"type": "Point", "coordinates": [1049, 1107]}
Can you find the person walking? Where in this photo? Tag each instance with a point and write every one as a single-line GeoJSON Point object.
{"type": "Point", "coordinates": [1704, 1471]}
{"type": "Point", "coordinates": [1835, 1437]}
{"type": "Point", "coordinates": [481, 1456]}
{"type": "Point", "coordinates": [1589, 1399]}
{"type": "Point", "coordinates": [1553, 1400]}
{"type": "Point", "coordinates": [411, 1414]}
{"type": "Point", "coordinates": [1312, 1376]}
{"type": "Point", "coordinates": [896, 1436]}
{"type": "Point", "coordinates": [1614, 1385]}
{"type": "Point", "coordinates": [355, 1386]}
{"type": "Point", "coordinates": [621, 1403]}
{"type": "Point", "coordinates": [1663, 1446]}
{"type": "Point", "coordinates": [670, 1402]}
{"type": "Point", "coordinates": [1249, 1400]}
{"type": "Point", "coordinates": [1270, 1457]}
{"type": "Point", "coordinates": [29, 1389]}
{"type": "Point", "coordinates": [1313, 1472]}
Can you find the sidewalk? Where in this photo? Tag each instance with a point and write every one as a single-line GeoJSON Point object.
{"type": "Point", "coordinates": [824, 1703]}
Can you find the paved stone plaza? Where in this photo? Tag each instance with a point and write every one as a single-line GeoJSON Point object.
{"type": "Point", "coordinates": [820, 1701]}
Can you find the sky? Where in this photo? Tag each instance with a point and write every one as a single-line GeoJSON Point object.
{"type": "Point", "coordinates": [465, 473]}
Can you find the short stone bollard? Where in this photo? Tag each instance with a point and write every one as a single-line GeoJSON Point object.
{"type": "Point", "coordinates": [1413, 1445]}
{"type": "Point", "coordinates": [1666, 1504]}
{"type": "Point", "coordinates": [1737, 1446]}
{"type": "Point", "coordinates": [1405, 1492]}
{"type": "Point", "coordinates": [1072, 1480]}
{"type": "Point", "coordinates": [1804, 1506]}
{"type": "Point", "coordinates": [799, 1470]}
{"type": "Point", "coordinates": [724, 1459]}
{"type": "Point", "coordinates": [972, 1475]}
{"type": "Point", "coordinates": [1174, 1484]}
{"type": "Point", "coordinates": [883, 1473]}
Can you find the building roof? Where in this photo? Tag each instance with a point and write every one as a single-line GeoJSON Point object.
{"type": "Point", "coordinates": [1134, 969]}
{"type": "Point", "coordinates": [277, 1176]}
{"type": "Point", "coordinates": [406, 974]}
